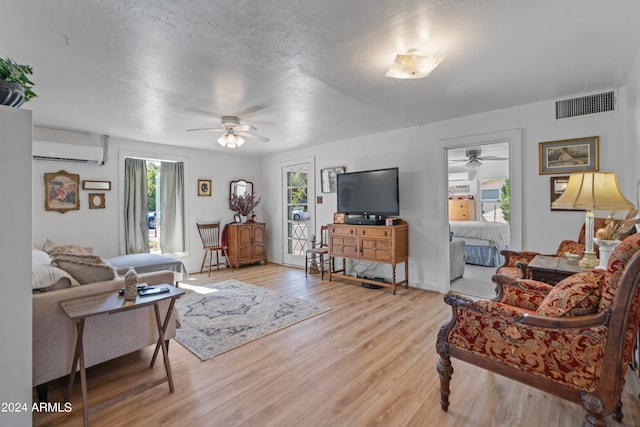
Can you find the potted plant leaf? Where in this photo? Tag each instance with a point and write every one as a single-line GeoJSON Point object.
{"type": "Point", "coordinates": [15, 85]}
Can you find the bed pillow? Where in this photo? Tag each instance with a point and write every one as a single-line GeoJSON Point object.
{"type": "Point", "coordinates": [49, 278]}
{"type": "Point", "coordinates": [85, 268]}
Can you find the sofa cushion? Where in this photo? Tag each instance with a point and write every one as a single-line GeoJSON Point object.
{"type": "Point", "coordinates": [85, 268]}
{"type": "Point", "coordinates": [571, 297]}
{"type": "Point", "coordinates": [49, 278]}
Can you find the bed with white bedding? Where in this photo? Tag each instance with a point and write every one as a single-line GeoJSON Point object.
{"type": "Point", "coordinates": [483, 240]}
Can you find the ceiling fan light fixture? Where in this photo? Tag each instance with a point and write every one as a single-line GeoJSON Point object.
{"type": "Point", "coordinates": [229, 140]}
{"type": "Point", "coordinates": [473, 164]}
{"type": "Point", "coordinates": [413, 65]}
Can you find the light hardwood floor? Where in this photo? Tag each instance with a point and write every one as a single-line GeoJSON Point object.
{"type": "Point", "coordinates": [370, 361]}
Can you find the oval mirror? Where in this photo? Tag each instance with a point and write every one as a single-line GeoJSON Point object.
{"type": "Point", "coordinates": [240, 187]}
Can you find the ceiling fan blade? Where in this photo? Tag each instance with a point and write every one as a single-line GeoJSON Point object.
{"type": "Point", "coordinates": [253, 135]}
{"type": "Point", "coordinates": [492, 158]}
{"type": "Point", "coordinates": [244, 128]}
{"type": "Point", "coordinates": [458, 161]}
{"type": "Point", "coordinates": [207, 129]}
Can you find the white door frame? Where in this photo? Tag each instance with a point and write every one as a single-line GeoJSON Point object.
{"type": "Point", "coordinates": [308, 164]}
{"type": "Point", "coordinates": [514, 138]}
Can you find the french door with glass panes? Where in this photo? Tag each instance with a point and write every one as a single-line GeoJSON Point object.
{"type": "Point", "coordinates": [298, 212]}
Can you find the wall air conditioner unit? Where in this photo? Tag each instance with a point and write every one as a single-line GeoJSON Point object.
{"type": "Point", "coordinates": [61, 152]}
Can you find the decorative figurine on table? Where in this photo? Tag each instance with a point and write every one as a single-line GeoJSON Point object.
{"type": "Point", "coordinates": [130, 285]}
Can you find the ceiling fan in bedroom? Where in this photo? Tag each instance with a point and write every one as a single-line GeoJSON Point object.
{"type": "Point", "coordinates": [474, 160]}
{"type": "Point", "coordinates": [234, 132]}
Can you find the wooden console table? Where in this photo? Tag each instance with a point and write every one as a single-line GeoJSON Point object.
{"type": "Point", "coordinates": [374, 243]}
{"type": "Point", "coordinates": [79, 309]}
{"type": "Point", "coordinates": [552, 269]}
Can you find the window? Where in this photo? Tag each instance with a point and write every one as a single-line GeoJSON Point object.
{"type": "Point", "coordinates": [154, 206]}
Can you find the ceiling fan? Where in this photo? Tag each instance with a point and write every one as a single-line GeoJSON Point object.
{"type": "Point", "coordinates": [234, 132]}
{"type": "Point", "coordinates": [474, 158]}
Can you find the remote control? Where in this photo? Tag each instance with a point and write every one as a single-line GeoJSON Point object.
{"type": "Point", "coordinates": [153, 291]}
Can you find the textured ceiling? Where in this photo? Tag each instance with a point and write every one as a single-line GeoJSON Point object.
{"type": "Point", "coordinates": [305, 72]}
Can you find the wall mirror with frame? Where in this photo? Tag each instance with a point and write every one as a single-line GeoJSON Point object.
{"type": "Point", "coordinates": [240, 187]}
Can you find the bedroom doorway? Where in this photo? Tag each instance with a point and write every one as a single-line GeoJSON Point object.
{"type": "Point", "coordinates": [480, 207]}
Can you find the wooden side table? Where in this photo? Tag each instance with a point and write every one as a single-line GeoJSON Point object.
{"type": "Point", "coordinates": [79, 309]}
{"type": "Point", "coordinates": [552, 269]}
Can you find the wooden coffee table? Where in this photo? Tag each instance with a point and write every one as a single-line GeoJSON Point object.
{"type": "Point", "coordinates": [79, 309]}
{"type": "Point", "coordinates": [552, 269]}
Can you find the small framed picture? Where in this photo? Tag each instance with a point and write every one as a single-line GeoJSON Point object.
{"type": "Point", "coordinates": [558, 185]}
{"type": "Point", "coordinates": [568, 156]}
{"type": "Point", "coordinates": [96, 185]}
{"type": "Point", "coordinates": [96, 201]}
{"type": "Point", "coordinates": [204, 187]}
{"type": "Point", "coordinates": [61, 191]}
{"type": "Point", "coordinates": [338, 218]}
{"type": "Point", "coordinates": [329, 179]}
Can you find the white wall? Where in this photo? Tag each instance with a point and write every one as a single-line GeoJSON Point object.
{"type": "Point", "coordinates": [419, 154]}
{"type": "Point", "coordinates": [631, 187]}
{"type": "Point", "coordinates": [15, 263]}
{"type": "Point", "coordinates": [101, 228]}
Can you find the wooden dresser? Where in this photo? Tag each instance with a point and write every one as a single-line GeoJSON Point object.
{"type": "Point", "coordinates": [462, 210]}
{"type": "Point", "coordinates": [374, 243]}
{"type": "Point", "coordinates": [246, 244]}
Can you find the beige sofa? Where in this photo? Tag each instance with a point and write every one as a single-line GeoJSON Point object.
{"type": "Point", "coordinates": [105, 337]}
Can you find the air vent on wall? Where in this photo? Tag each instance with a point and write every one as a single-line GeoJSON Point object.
{"type": "Point", "coordinates": [584, 105]}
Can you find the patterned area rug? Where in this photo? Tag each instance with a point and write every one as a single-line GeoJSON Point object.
{"type": "Point", "coordinates": [221, 316]}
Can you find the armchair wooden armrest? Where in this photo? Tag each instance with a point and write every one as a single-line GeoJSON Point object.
{"type": "Point", "coordinates": [587, 321]}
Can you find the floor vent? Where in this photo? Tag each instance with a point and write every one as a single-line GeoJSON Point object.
{"type": "Point", "coordinates": [584, 105]}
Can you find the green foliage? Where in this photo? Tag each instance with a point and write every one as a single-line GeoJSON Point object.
{"type": "Point", "coordinates": [505, 200]}
{"type": "Point", "coordinates": [153, 170]}
{"type": "Point", "coordinates": [13, 72]}
{"type": "Point", "coordinates": [299, 195]}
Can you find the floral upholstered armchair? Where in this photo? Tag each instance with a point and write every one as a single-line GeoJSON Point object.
{"type": "Point", "coordinates": [573, 340]}
{"type": "Point", "coordinates": [515, 263]}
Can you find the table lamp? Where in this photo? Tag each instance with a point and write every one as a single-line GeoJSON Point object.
{"type": "Point", "coordinates": [592, 191]}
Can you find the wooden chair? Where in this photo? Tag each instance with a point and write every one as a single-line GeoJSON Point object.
{"type": "Point", "coordinates": [573, 340]}
{"type": "Point", "coordinates": [210, 236]}
{"type": "Point", "coordinates": [319, 251]}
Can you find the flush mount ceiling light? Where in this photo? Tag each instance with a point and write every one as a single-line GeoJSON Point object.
{"type": "Point", "coordinates": [413, 65]}
{"type": "Point", "coordinates": [230, 140]}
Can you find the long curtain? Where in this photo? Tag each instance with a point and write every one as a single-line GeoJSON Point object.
{"type": "Point", "coordinates": [172, 238]}
{"type": "Point", "coordinates": [136, 227]}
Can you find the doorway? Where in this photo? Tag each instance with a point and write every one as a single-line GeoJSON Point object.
{"type": "Point", "coordinates": [483, 175]}
{"type": "Point", "coordinates": [298, 218]}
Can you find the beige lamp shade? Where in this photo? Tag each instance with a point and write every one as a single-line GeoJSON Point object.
{"type": "Point", "coordinates": [593, 191]}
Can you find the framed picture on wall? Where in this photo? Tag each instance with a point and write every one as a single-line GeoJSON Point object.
{"type": "Point", "coordinates": [568, 156]}
{"type": "Point", "coordinates": [61, 191]}
{"type": "Point", "coordinates": [204, 187]}
{"type": "Point", "coordinates": [558, 185]}
{"type": "Point", "coordinates": [329, 178]}
{"type": "Point", "coordinates": [96, 201]}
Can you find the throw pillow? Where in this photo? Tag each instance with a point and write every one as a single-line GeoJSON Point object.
{"type": "Point", "coordinates": [53, 248]}
{"type": "Point", "coordinates": [571, 298]}
{"type": "Point", "coordinates": [85, 268]}
{"type": "Point", "coordinates": [39, 257]}
{"type": "Point", "coordinates": [50, 278]}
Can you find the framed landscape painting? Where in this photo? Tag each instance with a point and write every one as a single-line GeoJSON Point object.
{"type": "Point", "coordinates": [568, 156]}
{"type": "Point", "coordinates": [61, 191]}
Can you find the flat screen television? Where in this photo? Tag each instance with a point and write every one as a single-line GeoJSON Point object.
{"type": "Point", "coordinates": [369, 193]}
